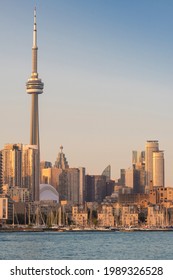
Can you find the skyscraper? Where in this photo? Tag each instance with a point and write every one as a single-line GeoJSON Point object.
{"type": "Point", "coordinates": [61, 161]}
{"type": "Point", "coordinates": [11, 164]}
{"type": "Point", "coordinates": [30, 169]}
{"type": "Point", "coordinates": [19, 167]}
{"type": "Point", "coordinates": [34, 86]}
{"type": "Point", "coordinates": [150, 147]}
{"type": "Point", "coordinates": [107, 172]}
{"type": "Point", "coordinates": [158, 169]}
{"type": "Point", "coordinates": [138, 163]}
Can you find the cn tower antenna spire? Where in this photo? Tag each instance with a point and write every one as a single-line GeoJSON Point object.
{"type": "Point", "coordinates": [35, 30]}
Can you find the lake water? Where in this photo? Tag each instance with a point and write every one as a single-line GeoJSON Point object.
{"type": "Point", "coordinates": [86, 245]}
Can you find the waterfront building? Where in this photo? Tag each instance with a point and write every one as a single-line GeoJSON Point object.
{"type": "Point", "coordinates": [34, 86]}
{"type": "Point", "coordinates": [158, 169]}
{"type": "Point", "coordinates": [105, 216]}
{"type": "Point", "coordinates": [150, 147]}
{"type": "Point", "coordinates": [129, 216]}
{"type": "Point", "coordinates": [6, 209]}
{"type": "Point", "coordinates": [155, 217]}
{"type": "Point", "coordinates": [79, 216]}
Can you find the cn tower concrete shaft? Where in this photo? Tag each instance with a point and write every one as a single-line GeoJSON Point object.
{"type": "Point", "coordinates": [34, 129]}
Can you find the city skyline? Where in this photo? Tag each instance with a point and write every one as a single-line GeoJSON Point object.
{"type": "Point", "coordinates": [107, 73]}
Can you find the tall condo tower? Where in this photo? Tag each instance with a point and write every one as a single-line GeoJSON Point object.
{"type": "Point", "coordinates": [34, 86]}
{"type": "Point", "coordinates": [158, 169]}
{"type": "Point", "coordinates": [150, 147]}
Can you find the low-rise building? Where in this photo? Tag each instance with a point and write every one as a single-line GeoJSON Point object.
{"type": "Point", "coordinates": [129, 216]}
{"type": "Point", "coordinates": [106, 217]}
{"type": "Point", "coordinates": [155, 217]}
{"type": "Point", "coordinates": [6, 209]}
{"type": "Point", "coordinates": [79, 217]}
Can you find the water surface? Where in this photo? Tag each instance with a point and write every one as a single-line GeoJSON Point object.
{"type": "Point", "coordinates": [86, 245]}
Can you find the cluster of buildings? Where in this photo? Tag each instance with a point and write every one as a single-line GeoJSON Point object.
{"type": "Point", "coordinates": [139, 197]}
{"type": "Point", "coordinates": [70, 196]}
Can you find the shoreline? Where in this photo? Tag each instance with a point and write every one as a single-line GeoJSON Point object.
{"type": "Point", "coordinates": [31, 229]}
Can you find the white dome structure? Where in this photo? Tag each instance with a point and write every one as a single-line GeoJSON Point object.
{"type": "Point", "coordinates": [48, 192]}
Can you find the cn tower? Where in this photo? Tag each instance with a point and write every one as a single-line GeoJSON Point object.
{"type": "Point", "coordinates": [34, 86]}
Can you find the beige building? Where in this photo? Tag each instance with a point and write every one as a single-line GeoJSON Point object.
{"type": "Point", "coordinates": [30, 170]}
{"type": "Point", "coordinates": [106, 217]}
{"type": "Point", "coordinates": [79, 217]}
{"type": "Point", "coordinates": [150, 147]}
{"type": "Point", "coordinates": [11, 164]}
{"type": "Point", "coordinates": [155, 217]}
{"type": "Point", "coordinates": [158, 169]}
{"type": "Point", "coordinates": [128, 217]}
{"type": "Point", "coordinates": [20, 168]}
{"type": "Point", "coordinates": [6, 208]}
{"type": "Point", "coordinates": [161, 196]}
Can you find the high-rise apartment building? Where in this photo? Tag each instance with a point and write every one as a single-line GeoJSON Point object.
{"type": "Point", "coordinates": [81, 185]}
{"type": "Point", "coordinates": [34, 86]}
{"type": "Point", "coordinates": [19, 166]}
{"type": "Point", "coordinates": [11, 164]}
{"type": "Point", "coordinates": [30, 170]}
{"type": "Point", "coordinates": [150, 147]}
{"type": "Point", "coordinates": [129, 178]}
{"type": "Point", "coordinates": [138, 158]}
{"type": "Point", "coordinates": [158, 169]}
{"type": "Point", "coordinates": [138, 162]}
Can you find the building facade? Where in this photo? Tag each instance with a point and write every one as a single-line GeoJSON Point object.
{"type": "Point", "coordinates": [20, 168]}
{"type": "Point", "coordinates": [158, 169]}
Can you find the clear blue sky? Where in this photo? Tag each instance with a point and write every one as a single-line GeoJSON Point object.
{"type": "Point", "coordinates": [107, 66]}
